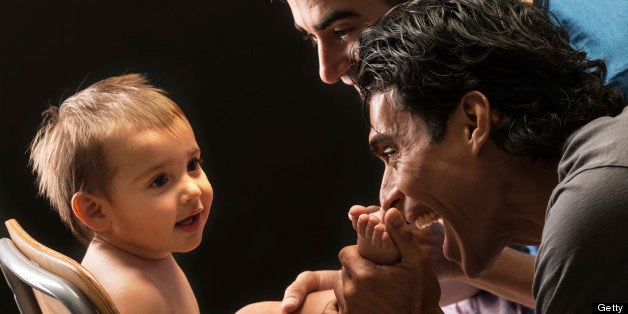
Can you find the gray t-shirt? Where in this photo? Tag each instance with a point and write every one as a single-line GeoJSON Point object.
{"type": "Point", "coordinates": [583, 257]}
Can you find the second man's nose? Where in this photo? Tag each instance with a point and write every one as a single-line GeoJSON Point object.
{"type": "Point", "coordinates": [333, 62]}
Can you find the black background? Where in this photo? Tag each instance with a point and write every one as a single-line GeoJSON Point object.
{"type": "Point", "coordinates": [286, 154]}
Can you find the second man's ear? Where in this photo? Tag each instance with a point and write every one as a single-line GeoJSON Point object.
{"type": "Point", "coordinates": [478, 119]}
{"type": "Point", "coordinates": [88, 208]}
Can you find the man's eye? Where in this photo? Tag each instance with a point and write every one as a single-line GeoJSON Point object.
{"type": "Point", "coordinates": [389, 153]}
{"type": "Point", "coordinates": [312, 39]}
{"type": "Point", "coordinates": [194, 164]}
{"type": "Point", "coordinates": [160, 180]}
{"type": "Point", "coordinates": [342, 33]}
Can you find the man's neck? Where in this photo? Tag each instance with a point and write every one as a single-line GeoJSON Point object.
{"type": "Point", "coordinates": [529, 191]}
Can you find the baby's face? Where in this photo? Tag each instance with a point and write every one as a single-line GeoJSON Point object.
{"type": "Point", "coordinates": [159, 197]}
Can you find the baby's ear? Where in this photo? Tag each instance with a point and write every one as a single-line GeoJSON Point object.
{"type": "Point", "coordinates": [88, 208]}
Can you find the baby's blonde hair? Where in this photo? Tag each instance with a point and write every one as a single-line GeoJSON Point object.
{"type": "Point", "coordinates": [68, 152]}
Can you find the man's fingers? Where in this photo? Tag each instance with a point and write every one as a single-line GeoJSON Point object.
{"type": "Point", "coordinates": [402, 236]}
{"type": "Point", "coordinates": [339, 292]}
{"type": "Point", "coordinates": [291, 300]}
{"type": "Point", "coordinates": [305, 283]}
{"type": "Point", "coordinates": [353, 263]}
{"type": "Point", "coordinates": [331, 307]}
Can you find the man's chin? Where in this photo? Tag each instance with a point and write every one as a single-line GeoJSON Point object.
{"type": "Point", "coordinates": [472, 266]}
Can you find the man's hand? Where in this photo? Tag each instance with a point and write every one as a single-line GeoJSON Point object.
{"type": "Point", "coordinates": [409, 286]}
{"type": "Point", "coordinates": [430, 239]}
{"type": "Point", "coordinates": [307, 282]}
{"type": "Point", "coordinates": [331, 307]}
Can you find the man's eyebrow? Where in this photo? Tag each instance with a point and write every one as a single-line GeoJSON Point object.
{"type": "Point", "coordinates": [376, 140]}
{"type": "Point", "coordinates": [329, 19]}
{"type": "Point", "coordinates": [333, 17]}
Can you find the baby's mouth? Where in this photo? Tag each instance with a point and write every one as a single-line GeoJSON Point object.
{"type": "Point", "coordinates": [187, 221]}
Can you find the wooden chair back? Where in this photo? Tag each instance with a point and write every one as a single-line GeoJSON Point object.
{"type": "Point", "coordinates": [62, 266]}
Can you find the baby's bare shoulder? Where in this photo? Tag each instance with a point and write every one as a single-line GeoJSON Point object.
{"type": "Point", "coordinates": [143, 285]}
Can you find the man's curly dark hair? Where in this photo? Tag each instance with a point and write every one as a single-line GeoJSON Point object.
{"type": "Point", "coordinates": [432, 52]}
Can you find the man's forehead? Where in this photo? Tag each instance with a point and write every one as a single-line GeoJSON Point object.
{"type": "Point", "coordinates": [381, 113]}
{"type": "Point", "coordinates": [304, 11]}
{"type": "Point", "coordinates": [312, 15]}
{"type": "Point", "coordinates": [389, 118]}
{"type": "Point", "coordinates": [379, 103]}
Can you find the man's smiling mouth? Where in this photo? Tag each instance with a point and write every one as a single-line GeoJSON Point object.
{"type": "Point", "coordinates": [426, 219]}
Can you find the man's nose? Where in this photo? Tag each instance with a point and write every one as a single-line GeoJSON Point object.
{"type": "Point", "coordinates": [333, 62]}
{"type": "Point", "coordinates": [389, 194]}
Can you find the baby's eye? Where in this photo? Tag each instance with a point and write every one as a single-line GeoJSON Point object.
{"type": "Point", "coordinates": [160, 180]}
{"type": "Point", "coordinates": [194, 164]}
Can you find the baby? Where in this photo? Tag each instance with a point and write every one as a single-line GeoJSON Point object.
{"type": "Point", "coordinates": [120, 164]}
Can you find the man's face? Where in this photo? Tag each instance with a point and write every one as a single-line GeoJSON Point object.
{"type": "Point", "coordinates": [427, 181]}
{"type": "Point", "coordinates": [334, 26]}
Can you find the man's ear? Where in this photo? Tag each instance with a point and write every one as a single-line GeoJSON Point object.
{"type": "Point", "coordinates": [477, 110]}
{"type": "Point", "coordinates": [88, 208]}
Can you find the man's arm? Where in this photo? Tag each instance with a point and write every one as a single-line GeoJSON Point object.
{"type": "Point", "coordinates": [510, 277]}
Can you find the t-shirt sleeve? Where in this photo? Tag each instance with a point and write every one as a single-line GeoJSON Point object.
{"type": "Point", "coordinates": [583, 258]}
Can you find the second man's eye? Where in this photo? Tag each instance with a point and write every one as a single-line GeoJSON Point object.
{"type": "Point", "coordinates": [342, 33]}
{"type": "Point", "coordinates": [312, 39]}
{"type": "Point", "coordinates": [160, 180]}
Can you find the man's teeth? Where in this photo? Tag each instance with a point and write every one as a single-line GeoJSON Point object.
{"type": "Point", "coordinates": [426, 219]}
